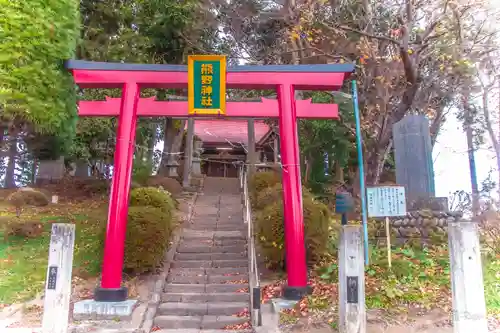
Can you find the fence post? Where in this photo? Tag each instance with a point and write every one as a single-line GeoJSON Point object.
{"type": "Point", "coordinates": [352, 313]}
{"type": "Point", "coordinates": [469, 305]}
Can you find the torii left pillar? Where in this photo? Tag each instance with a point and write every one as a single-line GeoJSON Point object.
{"type": "Point", "coordinates": [111, 289]}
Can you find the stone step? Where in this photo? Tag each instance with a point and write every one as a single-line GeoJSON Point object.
{"type": "Point", "coordinates": [191, 248]}
{"type": "Point", "coordinates": [205, 288]}
{"type": "Point", "coordinates": [228, 271]}
{"type": "Point", "coordinates": [203, 309]}
{"type": "Point", "coordinates": [221, 220]}
{"type": "Point", "coordinates": [210, 256]}
{"type": "Point", "coordinates": [217, 235]}
{"type": "Point", "coordinates": [217, 227]}
{"type": "Point", "coordinates": [201, 331]}
{"type": "Point", "coordinates": [204, 279]}
{"type": "Point", "coordinates": [230, 263]}
{"type": "Point", "coordinates": [226, 242]}
{"type": "Point", "coordinates": [197, 322]}
{"type": "Point", "coordinates": [205, 297]}
{"type": "Point", "coordinates": [213, 242]}
{"type": "Point", "coordinates": [209, 263]}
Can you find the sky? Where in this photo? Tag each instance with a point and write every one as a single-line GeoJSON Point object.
{"type": "Point", "coordinates": [451, 164]}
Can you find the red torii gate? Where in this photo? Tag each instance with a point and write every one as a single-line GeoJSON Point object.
{"type": "Point", "coordinates": [285, 79]}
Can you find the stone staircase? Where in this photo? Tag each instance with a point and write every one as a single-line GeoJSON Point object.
{"type": "Point", "coordinates": [207, 285]}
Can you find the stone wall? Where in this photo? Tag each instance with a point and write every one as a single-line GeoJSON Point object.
{"type": "Point", "coordinates": [417, 225]}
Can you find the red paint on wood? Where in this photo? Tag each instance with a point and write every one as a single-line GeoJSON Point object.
{"type": "Point", "coordinates": [241, 80]}
{"type": "Point", "coordinates": [267, 108]}
{"type": "Point", "coordinates": [120, 189]}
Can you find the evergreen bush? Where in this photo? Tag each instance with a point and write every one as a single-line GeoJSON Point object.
{"type": "Point", "coordinates": [270, 232]}
{"type": "Point", "coordinates": [154, 197]}
{"type": "Point", "coordinates": [274, 193]}
{"type": "Point", "coordinates": [148, 236]}
{"type": "Point", "coordinates": [260, 181]}
{"type": "Point", "coordinates": [170, 184]}
{"type": "Point", "coordinates": [27, 197]}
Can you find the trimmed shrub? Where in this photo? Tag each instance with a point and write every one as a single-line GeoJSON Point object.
{"type": "Point", "coordinates": [26, 229]}
{"type": "Point", "coordinates": [27, 197]}
{"type": "Point", "coordinates": [260, 181]}
{"type": "Point", "coordinates": [154, 197]}
{"type": "Point", "coordinates": [274, 193]}
{"type": "Point", "coordinates": [148, 235]}
{"type": "Point", "coordinates": [269, 229]}
{"type": "Point", "coordinates": [170, 184]}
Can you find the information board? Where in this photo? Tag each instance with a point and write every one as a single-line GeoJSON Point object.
{"type": "Point", "coordinates": [386, 201]}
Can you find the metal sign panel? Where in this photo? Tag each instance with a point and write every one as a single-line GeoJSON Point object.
{"type": "Point", "coordinates": [386, 201]}
{"type": "Point", "coordinates": [344, 203]}
{"type": "Point", "coordinates": [352, 290]}
{"type": "Point", "coordinates": [207, 84]}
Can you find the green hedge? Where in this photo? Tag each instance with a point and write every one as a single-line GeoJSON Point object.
{"type": "Point", "coordinates": [150, 225]}
{"type": "Point", "coordinates": [148, 235]}
{"type": "Point", "coordinates": [261, 181]}
{"type": "Point", "coordinates": [152, 196]}
{"type": "Point", "coordinates": [270, 231]}
{"type": "Point", "coordinates": [267, 202]}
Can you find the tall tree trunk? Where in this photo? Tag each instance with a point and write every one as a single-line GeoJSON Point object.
{"type": "Point", "coordinates": [497, 140]}
{"type": "Point", "coordinates": [470, 151]}
{"type": "Point", "coordinates": [169, 134]}
{"type": "Point", "coordinates": [488, 124]}
{"type": "Point", "coordinates": [151, 146]}
{"type": "Point", "coordinates": [2, 136]}
{"type": "Point", "coordinates": [339, 173]}
{"type": "Point", "coordinates": [33, 171]}
{"type": "Point", "coordinates": [10, 174]}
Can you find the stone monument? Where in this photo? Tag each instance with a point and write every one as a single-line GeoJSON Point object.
{"type": "Point", "coordinates": [414, 165]}
{"type": "Point", "coordinates": [427, 214]}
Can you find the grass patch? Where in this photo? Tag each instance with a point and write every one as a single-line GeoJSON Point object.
{"type": "Point", "coordinates": [491, 273]}
{"type": "Point", "coordinates": [23, 262]}
{"type": "Point", "coordinates": [418, 277]}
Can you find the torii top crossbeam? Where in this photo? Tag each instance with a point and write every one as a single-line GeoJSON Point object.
{"type": "Point", "coordinates": [285, 79]}
{"type": "Point", "coordinates": [90, 74]}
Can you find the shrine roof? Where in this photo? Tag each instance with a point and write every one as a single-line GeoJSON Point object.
{"type": "Point", "coordinates": [115, 66]}
{"type": "Point", "coordinates": [234, 131]}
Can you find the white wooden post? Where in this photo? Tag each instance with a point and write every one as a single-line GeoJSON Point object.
{"type": "Point", "coordinates": [469, 305]}
{"type": "Point", "coordinates": [58, 284]}
{"type": "Point", "coordinates": [351, 281]}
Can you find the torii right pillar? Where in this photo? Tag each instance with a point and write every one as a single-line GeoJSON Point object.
{"type": "Point", "coordinates": [295, 243]}
{"type": "Point", "coordinates": [295, 247]}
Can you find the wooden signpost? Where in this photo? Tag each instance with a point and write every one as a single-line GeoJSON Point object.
{"type": "Point", "coordinates": [58, 284]}
{"type": "Point", "coordinates": [386, 201]}
{"type": "Point", "coordinates": [352, 307]}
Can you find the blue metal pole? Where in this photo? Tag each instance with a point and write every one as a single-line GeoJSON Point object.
{"type": "Point", "coordinates": [359, 143]}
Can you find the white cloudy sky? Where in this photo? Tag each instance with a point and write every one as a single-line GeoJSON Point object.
{"type": "Point", "coordinates": [451, 164]}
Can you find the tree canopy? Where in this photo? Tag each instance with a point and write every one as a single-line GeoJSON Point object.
{"type": "Point", "coordinates": [35, 90]}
